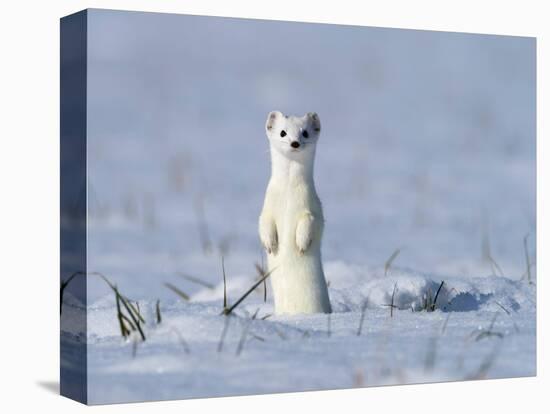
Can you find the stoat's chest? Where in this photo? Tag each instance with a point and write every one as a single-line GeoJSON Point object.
{"type": "Point", "coordinates": [290, 200]}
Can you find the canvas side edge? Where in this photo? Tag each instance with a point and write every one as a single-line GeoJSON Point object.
{"type": "Point", "coordinates": [73, 207]}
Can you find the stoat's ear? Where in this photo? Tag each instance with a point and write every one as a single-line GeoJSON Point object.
{"type": "Point", "coordinates": [271, 118]}
{"type": "Point", "coordinates": [315, 121]}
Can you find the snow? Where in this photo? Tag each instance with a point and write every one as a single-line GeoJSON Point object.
{"type": "Point", "coordinates": [428, 146]}
{"type": "Point", "coordinates": [489, 334]}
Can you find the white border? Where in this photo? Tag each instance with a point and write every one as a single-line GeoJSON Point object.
{"type": "Point", "coordinates": [29, 188]}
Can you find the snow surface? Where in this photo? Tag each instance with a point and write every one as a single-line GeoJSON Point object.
{"type": "Point", "coordinates": [485, 328]}
{"type": "Point", "coordinates": [428, 146]}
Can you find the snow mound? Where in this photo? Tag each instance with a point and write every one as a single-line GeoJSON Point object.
{"type": "Point", "coordinates": [351, 287]}
{"type": "Point", "coordinates": [354, 287]}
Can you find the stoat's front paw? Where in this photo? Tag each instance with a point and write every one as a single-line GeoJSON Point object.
{"type": "Point", "coordinates": [270, 242]}
{"type": "Point", "coordinates": [304, 232]}
{"type": "Point", "coordinates": [303, 241]}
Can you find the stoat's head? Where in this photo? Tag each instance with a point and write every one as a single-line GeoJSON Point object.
{"type": "Point", "coordinates": [291, 135]}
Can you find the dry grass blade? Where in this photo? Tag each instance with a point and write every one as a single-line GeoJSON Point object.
{"type": "Point", "coordinates": [224, 286]}
{"type": "Point", "coordinates": [134, 313]}
{"type": "Point", "coordinates": [134, 317]}
{"type": "Point", "coordinates": [261, 273]}
{"type": "Point", "coordinates": [390, 260]}
{"type": "Point", "coordinates": [503, 308]}
{"type": "Point", "coordinates": [134, 348]}
{"type": "Point", "coordinates": [444, 327]}
{"type": "Point", "coordinates": [177, 291]}
{"type": "Point", "coordinates": [432, 306]}
{"type": "Point", "coordinates": [362, 318]}
{"type": "Point", "coordinates": [130, 309]}
{"type": "Point", "coordinates": [224, 333]}
{"type": "Point", "coordinates": [392, 299]}
{"type": "Point", "coordinates": [137, 310]}
{"type": "Point", "coordinates": [494, 265]}
{"type": "Point", "coordinates": [224, 244]}
{"type": "Point", "coordinates": [204, 233]}
{"type": "Point", "coordinates": [196, 280]}
{"type": "Point", "coordinates": [183, 342]}
{"type": "Point", "coordinates": [258, 337]}
{"type": "Point", "coordinates": [485, 237]}
{"type": "Point", "coordinates": [124, 331]}
{"type": "Point", "coordinates": [485, 366]}
{"type": "Point", "coordinates": [228, 311]}
{"type": "Point", "coordinates": [128, 321]}
{"type": "Point", "coordinates": [102, 276]}
{"type": "Point", "coordinates": [431, 353]}
{"type": "Point", "coordinates": [391, 305]}
{"type": "Point", "coordinates": [64, 285]}
{"type": "Point", "coordinates": [488, 333]}
{"type": "Point", "coordinates": [240, 347]}
{"type": "Point", "coordinates": [157, 308]}
{"type": "Point", "coordinates": [516, 328]}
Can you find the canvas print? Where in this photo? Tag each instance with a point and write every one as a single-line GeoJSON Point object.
{"type": "Point", "coordinates": [253, 206]}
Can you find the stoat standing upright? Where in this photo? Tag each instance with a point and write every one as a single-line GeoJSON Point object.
{"type": "Point", "coordinates": [291, 222]}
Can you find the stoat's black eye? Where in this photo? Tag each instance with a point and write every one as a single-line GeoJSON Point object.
{"type": "Point", "coordinates": [305, 134]}
{"type": "Point", "coordinates": [283, 133]}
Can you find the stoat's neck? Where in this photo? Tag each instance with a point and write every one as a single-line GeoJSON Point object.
{"type": "Point", "coordinates": [292, 171]}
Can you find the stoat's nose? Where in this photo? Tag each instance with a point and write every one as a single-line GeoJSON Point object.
{"type": "Point", "coordinates": [295, 144]}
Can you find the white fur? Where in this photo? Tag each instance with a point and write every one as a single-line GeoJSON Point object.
{"type": "Point", "coordinates": [291, 222]}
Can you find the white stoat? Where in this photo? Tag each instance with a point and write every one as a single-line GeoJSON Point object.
{"type": "Point", "coordinates": [291, 222]}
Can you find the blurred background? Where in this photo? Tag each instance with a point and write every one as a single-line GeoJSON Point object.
{"type": "Point", "coordinates": [428, 145]}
